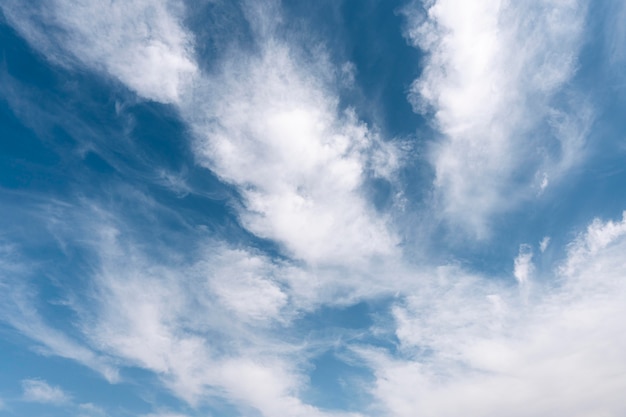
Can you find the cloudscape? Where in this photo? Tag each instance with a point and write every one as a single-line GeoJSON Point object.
{"type": "Point", "coordinates": [338, 208]}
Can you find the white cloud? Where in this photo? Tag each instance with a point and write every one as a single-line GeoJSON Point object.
{"type": "Point", "coordinates": [560, 352]}
{"type": "Point", "coordinates": [273, 128]}
{"type": "Point", "coordinates": [197, 326]}
{"type": "Point", "coordinates": [598, 236]}
{"type": "Point", "coordinates": [36, 390]}
{"type": "Point", "coordinates": [18, 310]}
{"type": "Point", "coordinates": [267, 123]}
{"type": "Point", "coordinates": [491, 74]}
{"type": "Point", "coordinates": [139, 42]}
{"type": "Point", "coordinates": [242, 282]}
{"type": "Point", "coordinates": [543, 245]}
{"type": "Point", "coordinates": [615, 36]}
{"type": "Point", "coordinates": [90, 410]}
{"type": "Point", "coordinates": [523, 266]}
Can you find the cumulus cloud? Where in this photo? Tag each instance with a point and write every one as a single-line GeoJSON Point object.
{"type": "Point", "coordinates": [490, 78]}
{"type": "Point", "coordinates": [37, 390]}
{"type": "Point", "coordinates": [558, 353]}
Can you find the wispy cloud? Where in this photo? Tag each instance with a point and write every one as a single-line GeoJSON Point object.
{"type": "Point", "coordinates": [90, 410]}
{"type": "Point", "coordinates": [268, 123]}
{"type": "Point", "coordinates": [165, 414]}
{"type": "Point", "coordinates": [18, 309]}
{"type": "Point", "coordinates": [206, 328]}
{"type": "Point", "coordinates": [220, 324]}
{"type": "Point", "coordinates": [491, 76]}
{"type": "Point", "coordinates": [523, 265]}
{"type": "Point", "coordinates": [138, 42]}
{"type": "Point", "coordinates": [273, 129]}
{"type": "Point", "coordinates": [37, 390]}
{"type": "Point", "coordinates": [560, 352]}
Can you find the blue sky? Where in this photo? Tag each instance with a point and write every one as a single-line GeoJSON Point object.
{"type": "Point", "coordinates": [319, 209]}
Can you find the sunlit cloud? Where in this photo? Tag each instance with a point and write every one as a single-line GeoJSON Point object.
{"type": "Point", "coordinates": [231, 301]}
{"type": "Point", "coordinates": [479, 345]}
{"type": "Point", "coordinates": [138, 42]}
{"type": "Point", "coordinates": [491, 76]}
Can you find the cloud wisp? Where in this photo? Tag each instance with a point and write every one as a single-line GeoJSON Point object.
{"type": "Point", "coordinates": [264, 122]}
{"type": "Point", "coordinates": [220, 324]}
{"type": "Point", "coordinates": [559, 351]}
{"type": "Point", "coordinates": [37, 390]}
{"type": "Point", "coordinates": [274, 130]}
{"type": "Point", "coordinates": [137, 42]}
{"type": "Point", "coordinates": [491, 78]}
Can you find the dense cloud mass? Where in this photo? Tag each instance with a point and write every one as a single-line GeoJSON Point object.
{"type": "Point", "coordinates": [208, 210]}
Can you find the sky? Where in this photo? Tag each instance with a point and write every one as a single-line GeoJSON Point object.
{"type": "Point", "coordinates": [339, 208]}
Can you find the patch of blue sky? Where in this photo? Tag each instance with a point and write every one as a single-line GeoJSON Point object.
{"type": "Point", "coordinates": [337, 382]}
{"type": "Point", "coordinates": [375, 63]}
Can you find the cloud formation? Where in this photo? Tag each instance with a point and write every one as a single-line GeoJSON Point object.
{"type": "Point", "coordinates": [491, 78]}
{"type": "Point", "coordinates": [267, 124]}
{"type": "Point", "coordinates": [37, 390]}
{"type": "Point", "coordinates": [559, 352]}
{"type": "Point", "coordinates": [218, 322]}
{"type": "Point", "coordinates": [274, 130]}
{"type": "Point", "coordinates": [138, 42]}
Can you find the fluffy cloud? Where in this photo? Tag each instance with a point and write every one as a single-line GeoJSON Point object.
{"type": "Point", "coordinates": [491, 76]}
